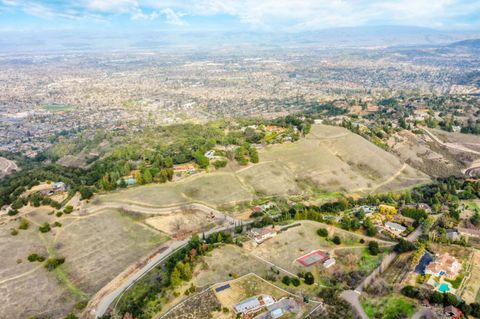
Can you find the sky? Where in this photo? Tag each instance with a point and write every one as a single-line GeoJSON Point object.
{"type": "Point", "coordinates": [235, 15]}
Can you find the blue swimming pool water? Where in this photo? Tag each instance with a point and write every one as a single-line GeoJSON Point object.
{"type": "Point", "coordinates": [444, 287]}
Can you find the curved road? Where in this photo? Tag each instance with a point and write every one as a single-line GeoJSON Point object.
{"type": "Point", "coordinates": [450, 145]}
{"type": "Point", "coordinates": [97, 308]}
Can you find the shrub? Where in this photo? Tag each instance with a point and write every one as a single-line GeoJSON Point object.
{"type": "Point", "coordinates": [373, 248]}
{"type": "Point", "coordinates": [53, 263]}
{"type": "Point", "coordinates": [45, 228]}
{"type": "Point", "coordinates": [57, 224]}
{"type": "Point", "coordinates": [32, 257]}
{"type": "Point", "coordinates": [336, 240]}
{"type": "Point", "coordinates": [295, 282]}
{"type": "Point", "coordinates": [59, 214]}
{"type": "Point", "coordinates": [322, 232]}
{"type": "Point", "coordinates": [286, 280]}
{"type": "Point", "coordinates": [220, 163]}
{"type": "Point", "coordinates": [12, 212]}
{"type": "Point", "coordinates": [68, 209]}
{"type": "Point", "coordinates": [23, 224]}
{"type": "Point", "coordinates": [13, 232]}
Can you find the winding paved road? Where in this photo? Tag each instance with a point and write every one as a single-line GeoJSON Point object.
{"type": "Point", "coordinates": [100, 303]}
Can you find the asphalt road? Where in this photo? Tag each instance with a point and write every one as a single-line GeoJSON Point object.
{"type": "Point", "coordinates": [108, 299]}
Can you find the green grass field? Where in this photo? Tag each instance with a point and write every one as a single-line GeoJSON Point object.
{"type": "Point", "coordinates": [391, 307]}
{"type": "Point", "coordinates": [57, 107]}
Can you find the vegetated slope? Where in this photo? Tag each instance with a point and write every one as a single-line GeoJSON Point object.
{"type": "Point", "coordinates": [452, 156]}
{"type": "Point", "coordinates": [334, 159]}
{"type": "Point", "coordinates": [328, 159]}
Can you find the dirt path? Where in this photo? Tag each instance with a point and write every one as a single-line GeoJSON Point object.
{"type": "Point", "coordinates": [21, 275]}
{"type": "Point", "coordinates": [353, 296]}
{"type": "Point", "coordinates": [450, 145]}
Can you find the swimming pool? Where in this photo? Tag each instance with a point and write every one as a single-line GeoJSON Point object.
{"type": "Point", "coordinates": [444, 287]}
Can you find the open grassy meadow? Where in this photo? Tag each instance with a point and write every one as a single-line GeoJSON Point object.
{"type": "Point", "coordinates": [329, 159]}
{"type": "Point", "coordinates": [391, 307]}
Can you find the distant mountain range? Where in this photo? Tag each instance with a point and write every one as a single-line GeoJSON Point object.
{"type": "Point", "coordinates": [466, 44]}
{"type": "Point", "coordinates": [351, 37]}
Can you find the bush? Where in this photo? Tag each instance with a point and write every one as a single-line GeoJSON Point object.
{"type": "Point", "coordinates": [13, 232]}
{"type": "Point", "coordinates": [23, 224]}
{"type": "Point", "coordinates": [59, 214]}
{"type": "Point", "coordinates": [336, 240]}
{"type": "Point", "coordinates": [57, 224]}
{"type": "Point", "coordinates": [404, 246]}
{"type": "Point", "coordinates": [286, 280]}
{"type": "Point", "coordinates": [68, 209]}
{"type": "Point", "coordinates": [53, 263]}
{"type": "Point", "coordinates": [373, 248]}
{"type": "Point", "coordinates": [45, 228]}
{"type": "Point", "coordinates": [295, 281]}
{"type": "Point", "coordinates": [322, 232]}
{"type": "Point", "coordinates": [220, 163]}
{"type": "Point", "coordinates": [12, 212]}
{"type": "Point", "coordinates": [32, 257]}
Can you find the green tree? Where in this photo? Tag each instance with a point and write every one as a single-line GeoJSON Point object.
{"type": "Point", "coordinates": [308, 278]}
{"type": "Point", "coordinates": [253, 155]}
{"type": "Point", "coordinates": [175, 278]}
{"type": "Point", "coordinates": [373, 248]}
{"type": "Point", "coordinates": [336, 240]}
{"type": "Point", "coordinates": [201, 159]}
{"type": "Point", "coordinates": [147, 176]}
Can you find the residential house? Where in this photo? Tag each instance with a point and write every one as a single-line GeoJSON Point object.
{"type": "Point", "coordinates": [262, 234]}
{"type": "Point", "coordinates": [444, 265]}
{"type": "Point", "coordinates": [452, 312]}
{"type": "Point", "coordinates": [368, 210]}
{"type": "Point", "coordinates": [184, 168]}
{"type": "Point", "coordinates": [395, 228]}
{"type": "Point", "coordinates": [254, 303]}
{"type": "Point", "coordinates": [452, 234]}
{"type": "Point", "coordinates": [211, 155]}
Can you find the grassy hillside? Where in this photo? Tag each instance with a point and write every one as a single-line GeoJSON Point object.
{"type": "Point", "coordinates": [328, 159]}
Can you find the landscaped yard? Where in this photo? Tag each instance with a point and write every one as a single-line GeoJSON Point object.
{"type": "Point", "coordinates": [388, 307]}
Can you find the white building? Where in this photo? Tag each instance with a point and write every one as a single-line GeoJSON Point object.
{"type": "Point", "coordinates": [329, 262]}
{"type": "Point", "coordinates": [262, 234]}
{"type": "Point", "coordinates": [395, 228]}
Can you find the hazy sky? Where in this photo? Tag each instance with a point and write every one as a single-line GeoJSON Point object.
{"type": "Point", "coordinates": [235, 15]}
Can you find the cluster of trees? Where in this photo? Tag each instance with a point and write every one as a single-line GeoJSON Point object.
{"type": "Point", "coordinates": [472, 128]}
{"type": "Point", "coordinates": [142, 301]}
{"type": "Point", "coordinates": [445, 299]}
{"type": "Point", "coordinates": [246, 153]}
{"type": "Point", "coordinates": [151, 151]}
{"type": "Point", "coordinates": [418, 214]}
